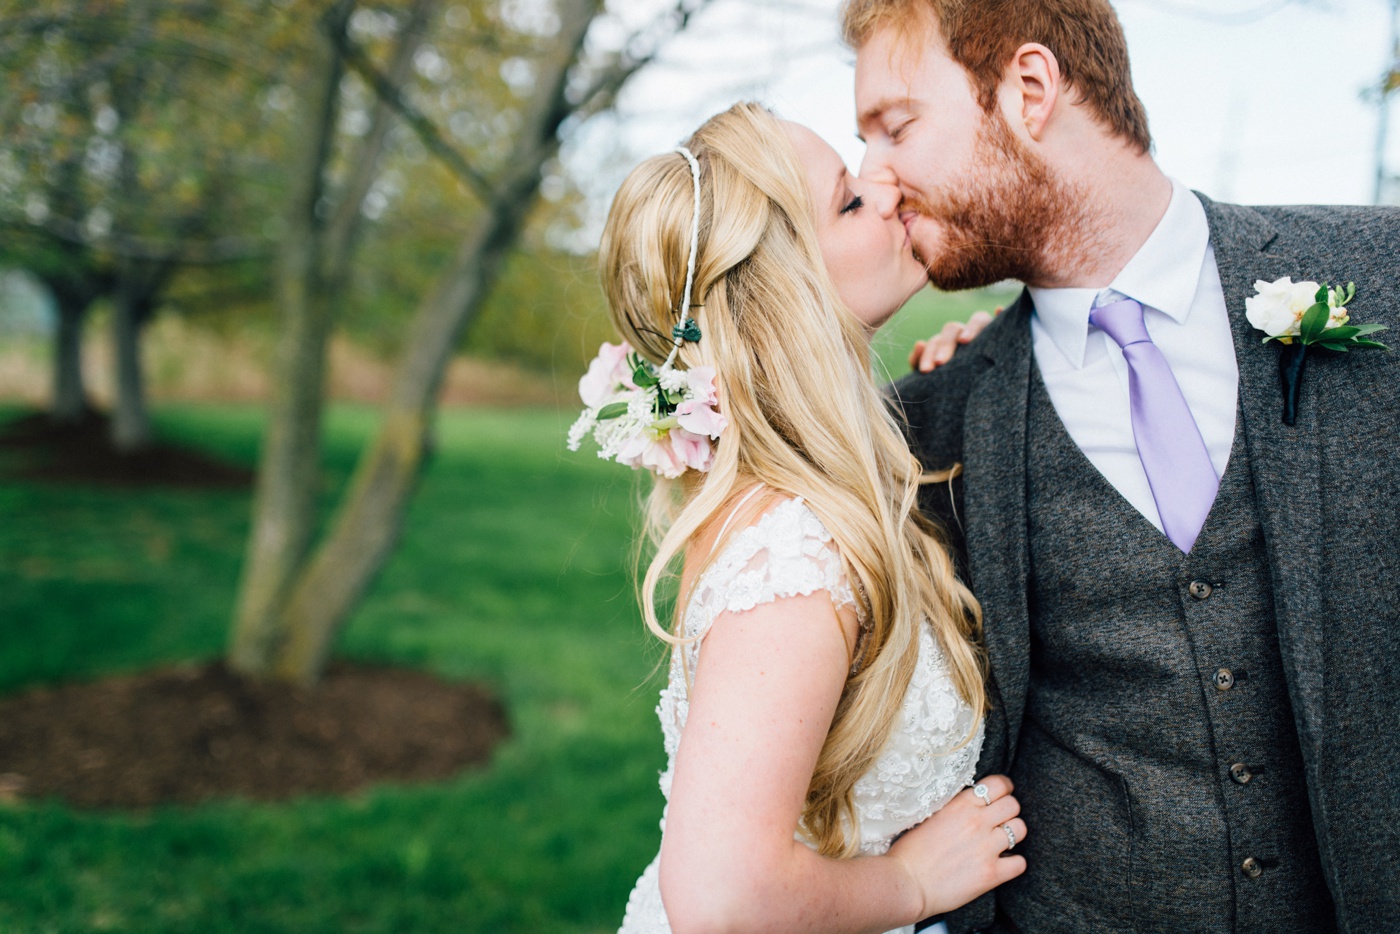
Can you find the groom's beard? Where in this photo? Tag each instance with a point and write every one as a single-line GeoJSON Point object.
{"type": "Point", "coordinates": [1012, 217]}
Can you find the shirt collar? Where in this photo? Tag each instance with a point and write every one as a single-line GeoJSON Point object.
{"type": "Point", "coordinates": [1163, 274]}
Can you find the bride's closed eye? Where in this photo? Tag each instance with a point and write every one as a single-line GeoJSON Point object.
{"type": "Point", "coordinates": [855, 204]}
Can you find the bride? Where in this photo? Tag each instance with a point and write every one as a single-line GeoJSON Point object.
{"type": "Point", "coordinates": [823, 712]}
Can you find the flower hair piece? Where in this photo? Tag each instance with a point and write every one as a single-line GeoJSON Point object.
{"type": "Point", "coordinates": [660, 418]}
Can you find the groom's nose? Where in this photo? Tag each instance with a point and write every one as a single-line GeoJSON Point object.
{"type": "Point", "coordinates": [874, 169]}
{"type": "Point", "coordinates": [884, 196]}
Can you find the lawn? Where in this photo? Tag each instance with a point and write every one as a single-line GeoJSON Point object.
{"type": "Point", "coordinates": [513, 570]}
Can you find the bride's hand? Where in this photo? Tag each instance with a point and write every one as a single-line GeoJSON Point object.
{"type": "Point", "coordinates": [938, 349]}
{"type": "Point", "coordinates": [957, 854]}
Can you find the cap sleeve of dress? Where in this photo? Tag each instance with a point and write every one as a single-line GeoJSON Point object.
{"type": "Point", "coordinates": [786, 553]}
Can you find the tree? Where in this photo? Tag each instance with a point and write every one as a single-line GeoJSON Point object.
{"type": "Point", "coordinates": [293, 598]}
{"type": "Point", "coordinates": [132, 136]}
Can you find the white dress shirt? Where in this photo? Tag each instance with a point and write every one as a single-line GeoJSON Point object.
{"type": "Point", "coordinates": [1174, 277]}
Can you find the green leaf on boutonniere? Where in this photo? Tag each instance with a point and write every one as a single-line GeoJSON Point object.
{"type": "Point", "coordinates": [1314, 322]}
{"type": "Point", "coordinates": [612, 410]}
{"type": "Point", "coordinates": [1376, 344]}
{"type": "Point", "coordinates": [1364, 329]}
{"type": "Point", "coordinates": [1341, 333]}
{"type": "Point", "coordinates": [1341, 348]}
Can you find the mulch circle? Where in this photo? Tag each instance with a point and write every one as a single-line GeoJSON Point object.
{"type": "Point", "coordinates": [36, 447]}
{"type": "Point", "coordinates": [192, 733]}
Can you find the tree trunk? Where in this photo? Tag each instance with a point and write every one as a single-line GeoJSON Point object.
{"type": "Point", "coordinates": [284, 499]}
{"type": "Point", "coordinates": [311, 277]}
{"type": "Point", "coordinates": [367, 525]}
{"type": "Point", "coordinates": [70, 400]}
{"type": "Point", "coordinates": [131, 420]}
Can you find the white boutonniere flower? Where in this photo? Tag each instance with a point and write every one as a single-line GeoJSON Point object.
{"type": "Point", "coordinates": [1305, 314]}
{"type": "Point", "coordinates": [1310, 313]}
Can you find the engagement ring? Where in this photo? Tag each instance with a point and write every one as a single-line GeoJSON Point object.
{"type": "Point", "coordinates": [980, 790]}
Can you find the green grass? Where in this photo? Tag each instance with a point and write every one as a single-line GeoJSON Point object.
{"type": "Point", "coordinates": [512, 570]}
{"type": "Point", "coordinates": [924, 315]}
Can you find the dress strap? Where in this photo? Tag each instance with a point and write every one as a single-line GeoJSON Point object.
{"type": "Point", "coordinates": [732, 513]}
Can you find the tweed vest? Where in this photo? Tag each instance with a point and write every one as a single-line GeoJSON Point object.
{"type": "Point", "coordinates": [1158, 733]}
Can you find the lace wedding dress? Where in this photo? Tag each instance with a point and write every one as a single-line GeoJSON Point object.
{"type": "Point", "coordinates": [788, 552]}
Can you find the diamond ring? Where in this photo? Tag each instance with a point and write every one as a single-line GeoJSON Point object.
{"type": "Point", "coordinates": [1010, 837]}
{"type": "Point", "coordinates": [980, 790]}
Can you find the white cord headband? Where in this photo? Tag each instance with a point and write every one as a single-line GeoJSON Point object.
{"type": "Point", "coordinates": [688, 330]}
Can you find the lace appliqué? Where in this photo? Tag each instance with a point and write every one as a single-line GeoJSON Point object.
{"type": "Point", "coordinates": [788, 552]}
{"type": "Point", "coordinates": [923, 766]}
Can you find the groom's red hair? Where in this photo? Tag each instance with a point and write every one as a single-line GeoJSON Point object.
{"type": "Point", "coordinates": [982, 36]}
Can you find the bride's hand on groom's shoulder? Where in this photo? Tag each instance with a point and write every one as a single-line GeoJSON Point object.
{"type": "Point", "coordinates": [959, 853]}
{"type": "Point", "coordinates": [939, 349]}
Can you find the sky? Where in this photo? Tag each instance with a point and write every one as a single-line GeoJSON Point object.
{"type": "Point", "coordinates": [1251, 101]}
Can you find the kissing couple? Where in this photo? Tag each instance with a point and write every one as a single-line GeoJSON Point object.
{"type": "Point", "coordinates": [1095, 627]}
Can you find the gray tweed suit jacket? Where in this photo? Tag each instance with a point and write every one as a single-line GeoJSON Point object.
{"type": "Point", "coordinates": [1328, 497]}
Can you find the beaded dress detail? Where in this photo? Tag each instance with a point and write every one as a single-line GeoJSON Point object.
{"type": "Point", "coordinates": [787, 553]}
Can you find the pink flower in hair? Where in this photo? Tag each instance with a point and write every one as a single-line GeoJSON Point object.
{"type": "Point", "coordinates": [606, 374]}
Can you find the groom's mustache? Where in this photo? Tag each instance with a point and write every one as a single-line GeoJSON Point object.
{"type": "Point", "coordinates": [913, 204]}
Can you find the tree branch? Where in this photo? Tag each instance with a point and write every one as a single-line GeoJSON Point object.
{"type": "Point", "coordinates": [422, 126]}
{"type": "Point", "coordinates": [345, 223]}
{"type": "Point", "coordinates": [609, 82]}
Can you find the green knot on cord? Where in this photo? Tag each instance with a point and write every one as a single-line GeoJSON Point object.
{"type": "Point", "coordinates": [687, 330]}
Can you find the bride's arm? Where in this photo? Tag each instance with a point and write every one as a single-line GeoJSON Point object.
{"type": "Point", "coordinates": [763, 698]}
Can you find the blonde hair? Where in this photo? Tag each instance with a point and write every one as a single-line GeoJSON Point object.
{"type": "Point", "coordinates": [805, 418]}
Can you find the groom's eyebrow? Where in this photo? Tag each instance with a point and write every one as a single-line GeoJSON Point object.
{"type": "Point", "coordinates": [875, 111]}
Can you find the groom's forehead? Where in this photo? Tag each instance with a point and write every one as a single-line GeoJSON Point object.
{"type": "Point", "coordinates": [894, 62]}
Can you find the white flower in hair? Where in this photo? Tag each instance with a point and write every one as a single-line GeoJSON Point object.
{"type": "Point", "coordinates": [673, 380]}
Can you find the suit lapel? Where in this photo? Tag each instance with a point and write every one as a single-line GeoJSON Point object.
{"type": "Point", "coordinates": [994, 445]}
{"type": "Point", "coordinates": [1285, 461]}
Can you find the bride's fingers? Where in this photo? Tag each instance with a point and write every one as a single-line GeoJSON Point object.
{"type": "Point", "coordinates": [1004, 833]}
{"type": "Point", "coordinates": [1003, 809]}
{"type": "Point", "coordinates": [997, 786]}
{"type": "Point", "coordinates": [938, 349]}
{"type": "Point", "coordinates": [976, 324]}
{"type": "Point", "coordinates": [916, 354]}
{"type": "Point", "coordinates": [1007, 868]}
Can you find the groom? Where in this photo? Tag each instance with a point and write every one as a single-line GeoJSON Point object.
{"type": "Point", "coordinates": [1192, 608]}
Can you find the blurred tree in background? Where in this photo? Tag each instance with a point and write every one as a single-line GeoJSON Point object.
{"type": "Point", "coordinates": [531, 77]}
{"type": "Point", "coordinates": [138, 143]}
{"type": "Point", "coordinates": [385, 167]}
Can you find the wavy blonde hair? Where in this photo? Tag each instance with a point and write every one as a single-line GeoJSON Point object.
{"type": "Point", "coordinates": [805, 418]}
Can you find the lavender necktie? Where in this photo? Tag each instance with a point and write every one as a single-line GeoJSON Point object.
{"type": "Point", "coordinates": [1173, 454]}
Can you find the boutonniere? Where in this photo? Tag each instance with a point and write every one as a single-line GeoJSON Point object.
{"type": "Point", "coordinates": [1300, 315]}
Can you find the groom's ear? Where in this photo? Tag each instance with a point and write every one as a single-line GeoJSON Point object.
{"type": "Point", "coordinates": [1031, 87]}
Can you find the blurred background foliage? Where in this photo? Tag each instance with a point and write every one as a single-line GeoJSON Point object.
{"type": "Point", "coordinates": [159, 132]}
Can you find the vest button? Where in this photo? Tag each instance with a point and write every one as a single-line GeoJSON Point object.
{"type": "Point", "coordinates": [1200, 589]}
{"type": "Point", "coordinates": [1224, 679]}
{"type": "Point", "coordinates": [1240, 773]}
{"type": "Point", "coordinates": [1252, 868]}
